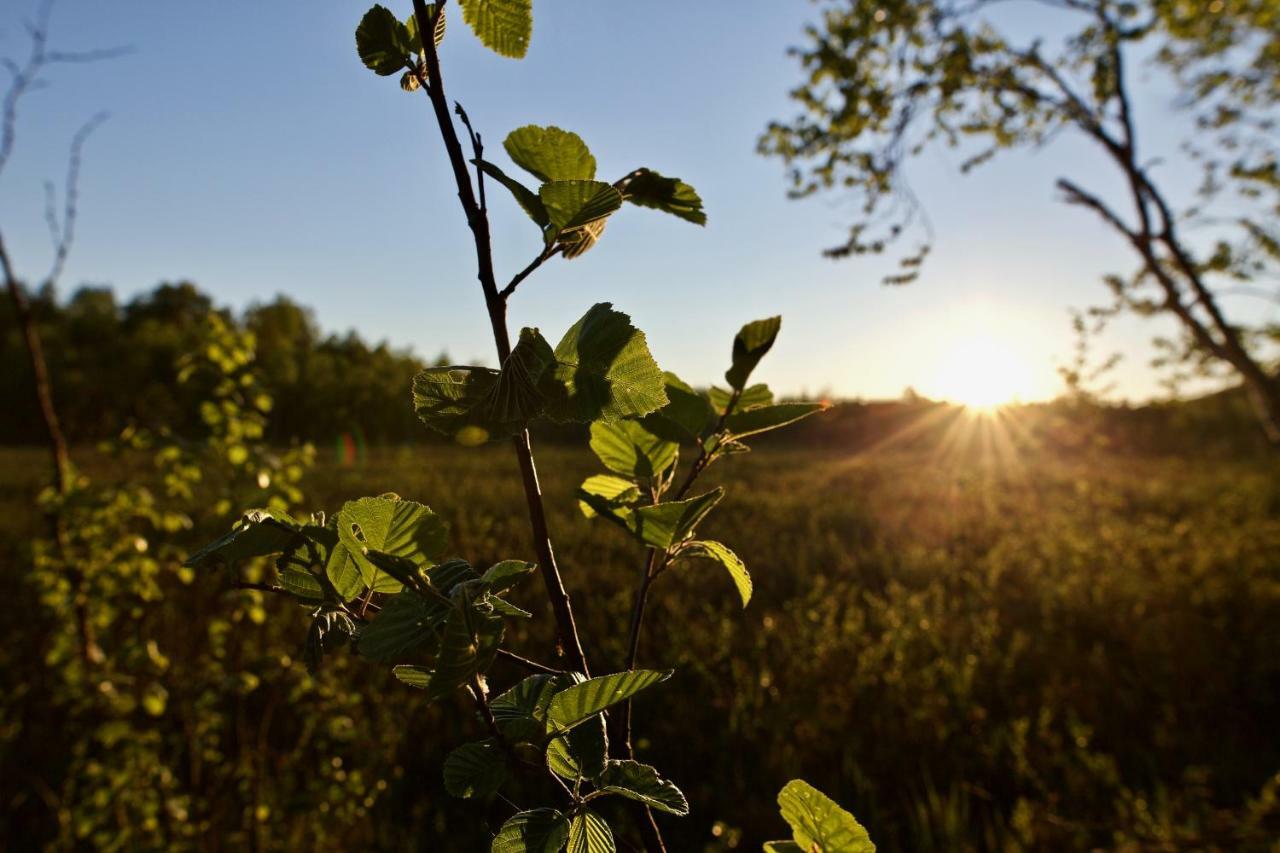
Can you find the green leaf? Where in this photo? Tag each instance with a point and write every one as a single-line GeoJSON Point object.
{"type": "Point", "coordinates": [383, 42]}
{"type": "Point", "coordinates": [414, 676]}
{"type": "Point", "coordinates": [475, 770]}
{"type": "Point", "coordinates": [588, 833]}
{"type": "Point", "coordinates": [505, 608]}
{"type": "Point", "coordinates": [502, 576]}
{"type": "Point", "coordinates": [525, 197]}
{"type": "Point", "coordinates": [765, 418]}
{"type": "Point", "coordinates": [328, 628]}
{"type": "Point", "coordinates": [521, 712]}
{"type": "Point", "coordinates": [783, 847]}
{"type": "Point", "coordinates": [818, 823]}
{"type": "Point", "coordinates": [686, 415]}
{"type": "Point", "coordinates": [301, 584]}
{"type": "Point", "coordinates": [612, 493]}
{"type": "Point", "coordinates": [640, 782]}
{"type": "Point", "coordinates": [472, 634]}
{"type": "Point", "coordinates": [717, 552]}
{"type": "Point", "coordinates": [665, 524]}
{"type": "Point", "coordinates": [499, 403]}
{"type": "Point", "coordinates": [582, 752]}
{"type": "Point", "coordinates": [575, 244]}
{"type": "Point", "coordinates": [323, 555]}
{"type": "Point", "coordinates": [629, 449]}
{"type": "Point", "coordinates": [574, 204]}
{"type": "Point", "coordinates": [397, 527]}
{"type": "Point", "coordinates": [534, 831]}
{"type": "Point", "coordinates": [647, 188]}
{"type": "Point", "coordinates": [259, 533]}
{"type": "Point", "coordinates": [602, 371]}
{"type": "Point", "coordinates": [550, 154]}
{"type": "Point", "coordinates": [405, 624]}
{"type": "Point", "coordinates": [575, 704]}
{"type": "Point", "coordinates": [503, 26]}
{"type": "Point", "coordinates": [749, 346]}
{"type": "Point", "coordinates": [751, 398]}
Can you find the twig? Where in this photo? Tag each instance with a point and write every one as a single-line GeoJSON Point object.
{"type": "Point", "coordinates": [528, 664]}
{"type": "Point", "coordinates": [544, 256]}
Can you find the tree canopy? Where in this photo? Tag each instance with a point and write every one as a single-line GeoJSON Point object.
{"type": "Point", "coordinates": [884, 81]}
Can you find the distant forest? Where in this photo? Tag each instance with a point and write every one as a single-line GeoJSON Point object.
{"type": "Point", "coordinates": [114, 364]}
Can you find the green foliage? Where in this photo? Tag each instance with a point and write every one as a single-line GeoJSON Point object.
{"type": "Point", "coordinates": [475, 770]}
{"type": "Point", "coordinates": [631, 450]}
{"type": "Point", "coordinates": [576, 704]}
{"type": "Point", "coordinates": [534, 831]}
{"type": "Point", "coordinates": [750, 345]}
{"type": "Point", "coordinates": [391, 526]}
{"type": "Point", "coordinates": [571, 206]}
{"type": "Point", "coordinates": [641, 783]}
{"type": "Point", "coordinates": [504, 26]}
{"type": "Point", "coordinates": [670, 523]}
{"type": "Point", "coordinates": [550, 154]}
{"type": "Point", "coordinates": [818, 823]}
{"type": "Point", "coordinates": [646, 188]}
{"type": "Point", "coordinates": [385, 45]}
{"type": "Point", "coordinates": [717, 552]}
{"type": "Point", "coordinates": [600, 370]}
{"type": "Point", "coordinates": [588, 833]}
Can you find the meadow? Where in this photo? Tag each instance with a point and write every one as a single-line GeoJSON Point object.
{"type": "Point", "coordinates": [972, 646]}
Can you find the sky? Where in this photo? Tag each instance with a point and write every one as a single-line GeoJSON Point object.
{"type": "Point", "coordinates": [250, 152]}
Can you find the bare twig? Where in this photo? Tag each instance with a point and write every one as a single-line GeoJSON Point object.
{"type": "Point", "coordinates": [543, 256]}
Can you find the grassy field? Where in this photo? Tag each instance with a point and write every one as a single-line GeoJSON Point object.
{"type": "Point", "coordinates": [970, 650]}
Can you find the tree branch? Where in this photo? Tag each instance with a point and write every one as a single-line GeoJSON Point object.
{"type": "Point", "coordinates": [496, 305]}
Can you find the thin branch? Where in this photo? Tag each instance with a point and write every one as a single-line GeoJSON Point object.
{"type": "Point", "coordinates": [496, 306]}
{"type": "Point", "coordinates": [544, 256]}
{"type": "Point", "coordinates": [531, 665]}
{"type": "Point", "coordinates": [71, 199]}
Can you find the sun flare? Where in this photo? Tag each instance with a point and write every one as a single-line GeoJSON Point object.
{"type": "Point", "coordinates": [982, 369]}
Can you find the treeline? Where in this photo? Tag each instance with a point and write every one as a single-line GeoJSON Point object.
{"type": "Point", "coordinates": [116, 363]}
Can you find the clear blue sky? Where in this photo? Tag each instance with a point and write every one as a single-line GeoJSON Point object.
{"type": "Point", "coordinates": [250, 152]}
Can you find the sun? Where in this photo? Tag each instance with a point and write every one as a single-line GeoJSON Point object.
{"type": "Point", "coordinates": [981, 371]}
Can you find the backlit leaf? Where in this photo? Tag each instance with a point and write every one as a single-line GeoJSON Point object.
{"type": "Point", "coordinates": [550, 154]}
{"type": "Point", "coordinates": [503, 26]}
{"type": "Point", "coordinates": [629, 449]}
{"type": "Point", "coordinates": [475, 769]}
{"type": "Point", "coordinates": [602, 371]}
{"type": "Point", "coordinates": [575, 704]}
{"type": "Point", "coordinates": [397, 527]}
{"type": "Point", "coordinates": [686, 415]}
{"type": "Point", "coordinates": [818, 823]}
{"type": "Point", "coordinates": [405, 624]}
{"type": "Point", "coordinates": [383, 42]}
{"type": "Point", "coordinates": [663, 525]}
{"type": "Point", "coordinates": [640, 782]}
{"type": "Point", "coordinates": [614, 492]}
{"type": "Point", "coordinates": [750, 345]}
{"type": "Point", "coordinates": [647, 188]}
{"type": "Point", "coordinates": [582, 752]}
{"type": "Point", "coordinates": [765, 418]}
{"type": "Point", "coordinates": [574, 204]}
{"type": "Point", "coordinates": [588, 833]}
{"type": "Point", "coordinates": [535, 831]}
{"type": "Point", "coordinates": [717, 552]}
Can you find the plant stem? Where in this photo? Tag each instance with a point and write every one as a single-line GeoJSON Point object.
{"type": "Point", "coordinates": [495, 303]}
